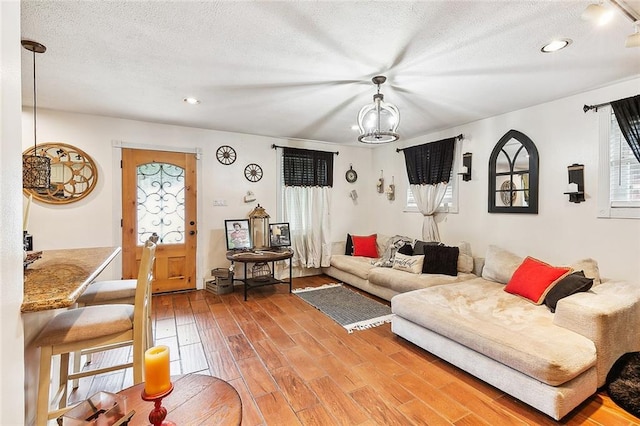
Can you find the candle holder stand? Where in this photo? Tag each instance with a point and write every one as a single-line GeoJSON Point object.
{"type": "Point", "coordinates": [159, 413]}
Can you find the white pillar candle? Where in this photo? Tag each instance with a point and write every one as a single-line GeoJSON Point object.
{"type": "Point", "coordinates": [572, 187]}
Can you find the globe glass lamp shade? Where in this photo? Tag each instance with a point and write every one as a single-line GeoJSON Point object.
{"type": "Point", "coordinates": [378, 122]}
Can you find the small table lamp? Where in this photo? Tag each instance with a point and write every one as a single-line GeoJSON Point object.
{"type": "Point", "coordinates": [260, 227]}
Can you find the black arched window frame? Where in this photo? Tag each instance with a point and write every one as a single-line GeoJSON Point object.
{"type": "Point", "coordinates": [527, 143]}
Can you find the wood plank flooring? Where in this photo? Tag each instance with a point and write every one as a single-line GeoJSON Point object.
{"type": "Point", "coordinates": [292, 365]}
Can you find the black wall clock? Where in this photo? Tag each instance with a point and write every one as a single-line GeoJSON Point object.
{"type": "Point", "coordinates": [351, 175]}
{"type": "Point", "coordinates": [226, 155]}
{"type": "Point", "coordinates": [253, 172]}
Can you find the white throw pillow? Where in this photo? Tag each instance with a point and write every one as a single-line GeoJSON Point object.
{"type": "Point", "coordinates": [465, 258]}
{"type": "Point", "coordinates": [500, 264]}
{"type": "Point", "coordinates": [412, 264]}
{"type": "Point", "coordinates": [465, 263]}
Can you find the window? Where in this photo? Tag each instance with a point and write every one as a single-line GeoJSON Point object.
{"type": "Point", "coordinates": [307, 177]}
{"type": "Point", "coordinates": [619, 186]}
{"type": "Point", "coordinates": [449, 203]}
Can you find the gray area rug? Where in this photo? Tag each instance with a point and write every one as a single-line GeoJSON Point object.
{"type": "Point", "coordinates": [351, 310]}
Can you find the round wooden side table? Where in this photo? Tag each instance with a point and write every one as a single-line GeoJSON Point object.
{"type": "Point", "coordinates": [196, 399]}
{"type": "Point", "coordinates": [261, 256]}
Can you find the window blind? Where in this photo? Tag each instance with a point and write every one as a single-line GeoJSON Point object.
{"type": "Point", "coordinates": [624, 178]}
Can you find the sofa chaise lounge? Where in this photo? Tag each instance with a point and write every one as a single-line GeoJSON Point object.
{"type": "Point", "coordinates": [552, 361]}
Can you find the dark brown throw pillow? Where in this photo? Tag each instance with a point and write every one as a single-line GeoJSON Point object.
{"type": "Point", "coordinates": [348, 249]}
{"type": "Point", "coordinates": [572, 283]}
{"type": "Point", "coordinates": [418, 247]}
{"type": "Point", "coordinates": [440, 259]}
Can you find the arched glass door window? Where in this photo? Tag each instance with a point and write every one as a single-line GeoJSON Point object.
{"type": "Point", "coordinates": [513, 175]}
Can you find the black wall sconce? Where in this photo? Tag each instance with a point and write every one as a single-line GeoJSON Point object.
{"type": "Point", "coordinates": [575, 189]}
{"type": "Point", "coordinates": [466, 167]}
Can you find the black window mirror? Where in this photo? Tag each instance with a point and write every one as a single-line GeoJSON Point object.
{"type": "Point", "coordinates": [513, 175]}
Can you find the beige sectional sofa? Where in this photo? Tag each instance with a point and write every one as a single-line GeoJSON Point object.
{"type": "Point", "coordinates": [384, 282]}
{"type": "Point", "coordinates": [551, 361]}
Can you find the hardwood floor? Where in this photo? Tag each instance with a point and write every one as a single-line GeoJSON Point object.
{"type": "Point", "coordinates": [293, 365]}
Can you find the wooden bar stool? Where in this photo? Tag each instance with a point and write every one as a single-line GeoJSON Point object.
{"type": "Point", "coordinates": [95, 328]}
{"type": "Point", "coordinates": [109, 292]}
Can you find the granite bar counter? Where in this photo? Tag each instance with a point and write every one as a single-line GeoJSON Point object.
{"type": "Point", "coordinates": [59, 277]}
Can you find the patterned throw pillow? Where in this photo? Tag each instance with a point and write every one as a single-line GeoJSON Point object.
{"type": "Point", "coordinates": [394, 243]}
{"type": "Point", "coordinates": [412, 264]}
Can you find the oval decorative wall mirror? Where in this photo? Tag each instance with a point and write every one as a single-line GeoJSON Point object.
{"type": "Point", "coordinates": [73, 173]}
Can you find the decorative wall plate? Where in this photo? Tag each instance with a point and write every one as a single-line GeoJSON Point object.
{"type": "Point", "coordinates": [508, 193]}
{"type": "Point", "coordinates": [351, 175]}
{"type": "Point", "coordinates": [253, 172]}
{"type": "Point", "coordinates": [226, 155]}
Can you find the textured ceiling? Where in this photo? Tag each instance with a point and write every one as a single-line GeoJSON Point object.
{"type": "Point", "coordinates": [303, 69]}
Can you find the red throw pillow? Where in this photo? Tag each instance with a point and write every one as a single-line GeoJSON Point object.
{"type": "Point", "coordinates": [365, 246]}
{"type": "Point", "coordinates": [534, 278]}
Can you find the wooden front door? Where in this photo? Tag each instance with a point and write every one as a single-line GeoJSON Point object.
{"type": "Point", "coordinates": [159, 195]}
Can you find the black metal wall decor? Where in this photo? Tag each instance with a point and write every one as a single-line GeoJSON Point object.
{"type": "Point", "coordinates": [226, 155]}
{"type": "Point", "coordinates": [575, 190]}
{"type": "Point", "coordinates": [513, 175]}
{"type": "Point", "coordinates": [253, 172]}
{"type": "Point", "coordinates": [466, 166]}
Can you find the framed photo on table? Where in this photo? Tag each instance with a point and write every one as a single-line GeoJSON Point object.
{"type": "Point", "coordinates": [279, 235]}
{"type": "Point", "coordinates": [238, 233]}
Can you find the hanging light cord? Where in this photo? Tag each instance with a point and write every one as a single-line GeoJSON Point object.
{"type": "Point", "coordinates": [378, 112]}
{"type": "Point", "coordinates": [35, 105]}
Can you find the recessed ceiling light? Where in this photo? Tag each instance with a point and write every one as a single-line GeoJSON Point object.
{"type": "Point", "coordinates": [191, 101]}
{"type": "Point", "coordinates": [555, 45]}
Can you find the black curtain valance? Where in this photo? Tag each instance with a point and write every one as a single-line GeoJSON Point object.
{"type": "Point", "coordinates": [305, 167]}
{"type": "Point", "coordinates": [627, 113]}
{"type": "Point", "coordinates": [430, 163]}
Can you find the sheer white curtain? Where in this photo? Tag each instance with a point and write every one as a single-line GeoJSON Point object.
{"type": "Point", "coordinates": [306, 208]}
{"type": "Point", "coordinates": [428, 198]}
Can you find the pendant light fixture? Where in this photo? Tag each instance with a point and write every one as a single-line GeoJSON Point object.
{"type": "Point", "coordinates": [36, 169]}
{"type": "Point", "coordinates": [378, 122]}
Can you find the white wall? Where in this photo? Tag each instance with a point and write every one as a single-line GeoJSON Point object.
{"type": "Point", "coordinates": [95, 220]}
{"type": "Point", "coordinates": [11, 289]}
{"type": "Point", "coordinates": [561, 232]}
